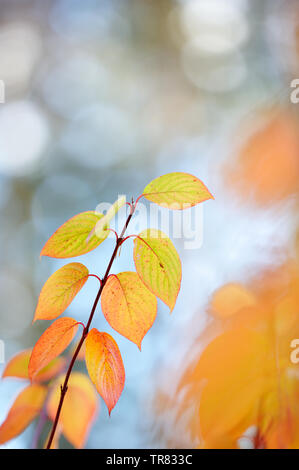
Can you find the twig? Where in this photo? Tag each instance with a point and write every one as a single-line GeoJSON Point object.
{"type": "Point", "coordinates": [64, 387]}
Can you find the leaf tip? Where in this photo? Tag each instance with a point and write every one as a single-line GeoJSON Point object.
{"type": "Point", "coordinates": [42, 253]}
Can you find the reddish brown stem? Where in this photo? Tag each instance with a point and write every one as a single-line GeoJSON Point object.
{"type": "Point", "coordinates": [94, 275]}
{"type": "Point", "coordinates": [64, 387]}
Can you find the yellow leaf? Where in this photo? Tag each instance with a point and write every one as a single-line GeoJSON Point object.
{"type": "Point", "coordinates": [79, 408]}
{"type": "Point", "coordinates": [129, 307]}
{"type": "Point", "coordinates": [24, 409]}
{"type": "Point", "coordinates": [18, 367]}
{"type": "Point", "coordinates": [52, 342]}
{"type": "Point", "coordinates": [59, 291]}
{"type": "Point", "coordinates": [71, 238]}
{"type": "Point", "coordinates": [105, 366]}
{"type": "Point", "coordinates": [177, 191]}
{"type": "Point", "coordinates": [158, 265]}
{"type": "Point", "coordinates": [105, 221]}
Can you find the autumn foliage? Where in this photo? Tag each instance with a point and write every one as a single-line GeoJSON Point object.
{"type": "Point", "coordinates": [129, 304]}
{"type": "Point", "coordinates": [265, 168]}
{"type": "Point", "coordinates": [242, 384]}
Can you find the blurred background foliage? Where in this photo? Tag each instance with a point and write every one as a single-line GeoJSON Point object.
{"type": "Point", "coordinates": [103, 96]}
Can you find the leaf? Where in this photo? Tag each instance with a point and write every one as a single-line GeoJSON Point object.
{"type": "Point", "coordinates": [265, 169]}
{"type": "Point", "coordinates": [177, 191]}
{"type": "Point", "coordinates": [158, 265]}
{"type": "Point", "coordinates": [52, 342]}
{"type": "Point", "coordinates": [18, 367]}
{"type": "Point", "coordinates": [128, 306]}
{"type": "Point", "coordinates": [105, 366]}
{"type": "Point", "coordinates": [79, 408]}
{"type": "Point", "coordinates": [105, 221]}
{"type": "Point", "coordinates": [230, 299]}
{"type": "Point", "coordinates": [71, 238]}
{"type": "Point", "coordinates": [24, 409]}
{"type": "Point", "coordinates": [244, 378]}
{"type": "Point", "coordinates": [59, 291]}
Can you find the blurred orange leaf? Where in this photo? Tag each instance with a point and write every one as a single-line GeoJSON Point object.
{"type": "Point", "coordinates": [129, 307]}
{"type": "Point", "coordinates": [71, 238]}
{"type": "Point", "coordinates": [79, 408]}
{"type": "Point", "coordinates": [52, 342]}
{"type": "Point", "coordinates": [105, 366]}
{"type": "Point", "coordinates": [244, 377]}
{"type": "Point", "coordinates": [230, 299]}
{"type": "Point", "coordinates": [59, 291]}
{"type": "Point", "coordinates": [177, 191]}
{"type": "Point", "coordinates": [158, 265]}
{"type": "Point", "coordinates": [267, 166]}
{"type": "Point", "coordinates": [18, 367]}
{"type": "Point", "coordinates": [24, 409]}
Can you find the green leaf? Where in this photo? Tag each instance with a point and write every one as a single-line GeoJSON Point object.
{"type": "Point", "coordinates": [71, 238]}
{"type": "Point", "coordinates": [177, 191]}
{"type": "Point", "coordinates": [158, 265]}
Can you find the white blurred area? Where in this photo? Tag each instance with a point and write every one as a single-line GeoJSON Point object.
{"type": "Point", "coordinates": [102, 97]}
{"type": "Point", "coordinates": [213, 34]}
{"type": "Point", "coordinates": [20, 50]}
{"type": "Point", "coordinates": [24, 135]}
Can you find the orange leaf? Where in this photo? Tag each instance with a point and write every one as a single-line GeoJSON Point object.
{"type": "Point", "coordinates": [24, 409]}
{"type": "Point", "coordinates": [52, 342]}
{"type": "Point", "coordinates": [230, 299]}
{"type": "Point", "coordinates": [129, 307]}
{"type": "Point", "coordinates": [59, 291]}
{"type": "Point", "coordinates": [105, 366]}
{"type": "Point", "coordinates": [18, 367]}
{"type": "Point", "coordinates": [72, 238]}
{"type": "Point", "coordinates": [245, 378]}
{"type": "Point", "coordinates": [266, 167]}
{"type": "Point", "coordinates": [79, 408]}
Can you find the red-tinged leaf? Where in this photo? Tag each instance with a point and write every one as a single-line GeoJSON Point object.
{"type": "Point", "coordinates": [158, 265]}
{"type": "Point", "coordinates": [129, 307]}
{"type": "Point", "coordinates": [71, 238]}
{"type": "Point", "coordinates": [177, 191]}
{"type": "Point", "coordinates": [105, 366]}
{"type": "Point", "coordinates": [79, 408]}
{"type": "Point", "coordinates": [52, 342]}
{"type": "Point", "coordinates": [25, 408]}
{"type": "Point", "coordinates": [59, 291]}
{"type": "Point", "coordinates": [18, 367]}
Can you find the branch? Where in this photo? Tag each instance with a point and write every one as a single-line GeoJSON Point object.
{"type": "Point", "coordinates": [64, 387]}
